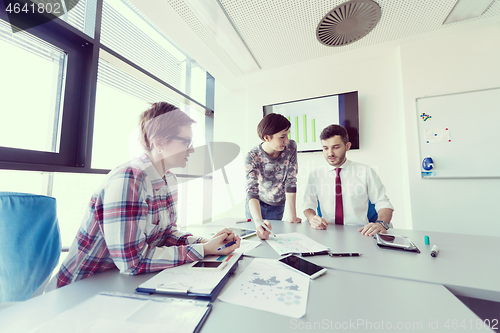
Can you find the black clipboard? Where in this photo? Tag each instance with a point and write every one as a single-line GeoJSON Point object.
{"type": "Point", "coordinates": [185, 292]}
{"type": "Point", "coordinates": [395, 242]}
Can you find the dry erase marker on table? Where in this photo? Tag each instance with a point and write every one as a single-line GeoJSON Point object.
{"type": "Point", "coordinates": [310, 254]}
{"type": "Point", "coordinates": [434, 251]}
{"type": "Point", "coordinates": [247, 220]}
{"type": "Point", "coordinates": [226, 245]}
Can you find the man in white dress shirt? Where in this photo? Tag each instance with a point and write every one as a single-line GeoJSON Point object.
{"type": "Point", "coordinates": [359, 183]}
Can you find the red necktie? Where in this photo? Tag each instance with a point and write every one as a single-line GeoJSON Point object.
{"type": "Point", "coordinates": [339, 208]}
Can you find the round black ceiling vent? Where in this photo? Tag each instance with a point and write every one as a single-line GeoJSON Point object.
{"type": "Point", "coordinates": [348, 22]}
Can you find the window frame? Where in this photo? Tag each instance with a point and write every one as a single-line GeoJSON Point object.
{"type": "Point", "coordinates": [78, 111]}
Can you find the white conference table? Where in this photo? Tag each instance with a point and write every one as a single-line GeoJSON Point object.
{"type": "Point", "coordinates": [340, 300]}
{"type": "Point", "coordinates": [466, 264]}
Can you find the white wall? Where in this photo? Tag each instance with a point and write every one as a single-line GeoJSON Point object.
{"type": "Point", "coordinates": [456, 62]}
{"type": "Point", "coordinates": [373, 73]}
{"type": "Point", "coordinates": [388, 80]}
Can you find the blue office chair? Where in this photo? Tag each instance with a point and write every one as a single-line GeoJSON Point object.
{"type": "Point", "coordinates": [372, 213]}
{"type": "Point", "coordinates": [30, 244]}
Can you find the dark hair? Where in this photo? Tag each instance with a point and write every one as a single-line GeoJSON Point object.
{"type": "Point", "coordinates": [161, 120]}
{"type": "Point", "coordinates": [332, 130]}
{"type": "Point", "coordinates": [272, 124]}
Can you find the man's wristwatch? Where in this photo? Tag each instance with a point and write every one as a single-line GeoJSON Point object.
{"type": "Point", "coordinates": [385, 225]}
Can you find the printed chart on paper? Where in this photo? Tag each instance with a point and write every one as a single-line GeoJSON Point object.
{"type": "Point", "coordinates": [268, 285]}
{"type": "Point", "coordinates": [295, 243]}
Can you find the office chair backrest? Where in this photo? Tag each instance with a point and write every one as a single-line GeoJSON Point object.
{"type": "Point", "coordinates": [30, 243]}
{"type": "Point", "coordinates": [372, 213]}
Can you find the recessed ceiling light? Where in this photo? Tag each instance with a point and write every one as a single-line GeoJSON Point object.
{"type": "Point", "coordinates": [215, 19]}
{"type": "Point", "coordinates": [467, 9]}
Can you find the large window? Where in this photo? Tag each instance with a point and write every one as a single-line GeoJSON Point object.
{"type": "Point", "coordinates": [71, 97]}
{"type": "Point", "coordinates": [82, 15]}
{"type": "Point", "coordinates": [31, 108]}
{"type": "Point", "coordinates": [44, 107]}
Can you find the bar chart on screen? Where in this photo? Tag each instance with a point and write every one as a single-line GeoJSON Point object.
{"type": "Point", "coordinates": [308, 118]}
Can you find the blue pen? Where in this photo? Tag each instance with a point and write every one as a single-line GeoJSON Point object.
{"type": "Point", "coordinates": [226, 245]}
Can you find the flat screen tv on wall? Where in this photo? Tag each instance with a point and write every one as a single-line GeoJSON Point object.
{"type": "Point", "coordinates": [309, 116]}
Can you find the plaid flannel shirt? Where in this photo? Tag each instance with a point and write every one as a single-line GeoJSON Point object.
{"type": "Point", "coordinates": [130, 224]}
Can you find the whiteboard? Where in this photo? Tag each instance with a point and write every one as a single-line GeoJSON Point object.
{"type": "Point", "coordinates": [461, 132]}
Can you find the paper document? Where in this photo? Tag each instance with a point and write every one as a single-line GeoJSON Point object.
{"type": "Point", "coordinates": [247, 245]}
{"type": "Point", "coordinates": [115, 312]}
{"type": "Point", "coordinates": [269, 286]}
{"type": "Point", "coordinates": [295, 243]}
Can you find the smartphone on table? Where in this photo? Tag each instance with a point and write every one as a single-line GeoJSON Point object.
{"type": "Point", "coordinates": [303, 266]}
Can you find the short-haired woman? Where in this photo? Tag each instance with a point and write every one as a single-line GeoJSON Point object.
{"type": "Point", "coordinates": [130, 222]}
{"type": "Point", "coordinates": [271, 173]}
